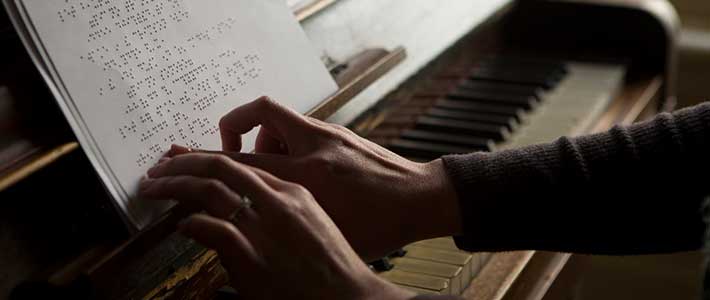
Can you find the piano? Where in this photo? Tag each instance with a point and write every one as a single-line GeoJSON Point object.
{"type": "Point", "coordinates": [421, 78]}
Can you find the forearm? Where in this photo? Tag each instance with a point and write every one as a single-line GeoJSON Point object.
{"type": "Point", "coordinates": [629, 190]}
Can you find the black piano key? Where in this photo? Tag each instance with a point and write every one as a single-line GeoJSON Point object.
{"type": "Point", "coordinates": [543, 81]}
{"type": "Point", "coordinates": [477, 129]}
{"type": "Point", "coordinates": [543, 71]}
{"type": "Point", "coordinates": [472, 143]}
{"type": "Point", "coordinates": [425, 150]}
{"type": "Point", "coordinates": [505, 110]}
{"type": "Point", "coordinates": [382, 264]}
{"type": "Point", "coordinates": [548, 65]}
{"type": "Point", "coordinates": [398, 253]}
{"type": "Point", "coordinates": [525, 61]}
{"type": "Point", "coordinates": [503, 88]}
{"type": "Point", "coordinates": [507, 121]}
{"type": "Point", "coordinates": [525, 102]}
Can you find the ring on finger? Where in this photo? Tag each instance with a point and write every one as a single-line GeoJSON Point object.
{"type": "Point", "coordinates": [237, 214]}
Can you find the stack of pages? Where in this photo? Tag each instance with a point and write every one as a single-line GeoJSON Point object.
{"type": "Point", "coordinates": [133, 77]}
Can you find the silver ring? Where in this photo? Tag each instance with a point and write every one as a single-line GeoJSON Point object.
{"type": "Point", "coordinates": [246, 204]}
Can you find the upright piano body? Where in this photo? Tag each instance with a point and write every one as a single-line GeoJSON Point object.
{"type": "Point", "coordinates": [60, 236]}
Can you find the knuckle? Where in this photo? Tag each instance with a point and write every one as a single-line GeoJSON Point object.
{"type": "Point", "coordinates": [300, 191]}
{"type": "Point", "coordinates": [296, 198]}
{"type": "Point", "coordinates": [294, 208]}
{"type": "Point", "coordinates": [224, 122]}
{"type": "Point", "coordinates": [214, 187]}
{"type": "Point", "coordinates": [218, 163]}
{"type": "Point", "coordinates": [266, 104]}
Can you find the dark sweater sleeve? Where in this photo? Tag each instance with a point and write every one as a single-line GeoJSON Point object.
{"type": "Point", "coordinates": [631, 190]}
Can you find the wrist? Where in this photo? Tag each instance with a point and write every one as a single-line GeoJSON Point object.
{"type": "Point", "coordinates": [437, 203]}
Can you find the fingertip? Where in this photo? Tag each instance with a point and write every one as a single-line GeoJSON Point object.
{"type": "Point", "coordinates": [231, 143]}
{"type": "Point", "coordinates": [176, 149]}
{"type": "Point", "coordinates": [190, 226]}
{"type": "Point", "coordinates": [145, 184]}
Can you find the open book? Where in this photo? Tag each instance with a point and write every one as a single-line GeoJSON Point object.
{"type": "Point", "coordinates": [135, 76]}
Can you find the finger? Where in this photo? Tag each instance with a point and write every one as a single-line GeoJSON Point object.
{"type": "Point", "coordinates": [282, 123]}
{"type": "Point", "coordinates": [235, 250]}
{"type": "Point", "coordinates": [176, 150]}
{"type": "Point", "coordinates": [250, 224]}
{"type": "Point", "coordinates": [238, 177]}
{"type": "Point", "coordinates": [268, 167]}
{"type": "Point", "coordinates": [196, 193]}
{"type": "Point", "coordinates": [281, 166]}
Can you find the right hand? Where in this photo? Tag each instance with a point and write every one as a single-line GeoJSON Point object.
{"type": "Point", "coordinates": [283, 246]}
{"type": "Point", "coordinates": [378, 199]}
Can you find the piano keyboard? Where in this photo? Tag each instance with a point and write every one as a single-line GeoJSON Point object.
{"type": "Point", "coordinates": [498, 103]}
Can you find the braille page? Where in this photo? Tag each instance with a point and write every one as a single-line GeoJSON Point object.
{"type": "Point", "coordinates": [142, 75]}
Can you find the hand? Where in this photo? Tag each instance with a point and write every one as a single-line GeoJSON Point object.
{"type": "Point", "coordinates": [379, 200]}
{"type": "Point", "coordinates": [283, 247]}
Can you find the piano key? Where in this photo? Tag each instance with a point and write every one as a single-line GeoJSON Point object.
{"type": "Point", "coordinates": [495, 132]}
{"type": "Point", "coordinates": [477, 259]}
{"type": "Point", "coordinates": [457, 258]}
{"type": "Point", "coordinates": [504, 110]}
{"type": "Point", "coordinates": [453, 257]}
{"type": "Point", "coordinates": [382, 264]}
{"type": "Point", "coordinates": [526, 102]}
{"type": "Point", "coordinates": [552, 73]}
{"type": "Point", "coordinates": [543, 81]}
{"type": "Point", "coordinates": [426, 267]}
{"type": "Point", "coordinates": [544, 64]}
{"type": "Point", "coordinates": [427, 282]}
{"type": "Point", "coordinates": [451, 139]}
{"type": "Point", "coordinates": [398, 253]}
{"type": "Point", "coordinates": [526, 98]}
{"type": "Point", "coordinates": [507, 122]}
{"type": "Point", "coordinates": [499, 87]}
{"type": "Point", "coordinates": [438, 243]}
{"type": "Point", "coordinates": [425, 150]}
{"type": "Point", "coordinates": [418, 290]}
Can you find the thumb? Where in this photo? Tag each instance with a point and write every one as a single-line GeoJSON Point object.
{"type": "Point", "coordinates": [279, 121]}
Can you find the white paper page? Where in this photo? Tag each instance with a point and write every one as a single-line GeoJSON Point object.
{"type": "Point", "coordinates": [145, 74]}
{"type": "Point", "coordinates": [298, 4]}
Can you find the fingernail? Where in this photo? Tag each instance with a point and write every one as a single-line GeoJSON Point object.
{"type": "Point", "coordinates": [177, 149]}
{"type": "Point", "coordinates": [163, 159]}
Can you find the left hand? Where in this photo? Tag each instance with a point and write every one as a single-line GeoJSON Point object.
{"type": "Point", "coordinates": [377, 198]}
{"type": "Point", "coordinates": [284, 247]}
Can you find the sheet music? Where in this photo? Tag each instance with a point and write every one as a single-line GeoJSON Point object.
{"type": "Point", "coordinates": [137, 76]}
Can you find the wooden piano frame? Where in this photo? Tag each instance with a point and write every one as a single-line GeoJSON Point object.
{"type": "Point", "coordinates": [196, 273]}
